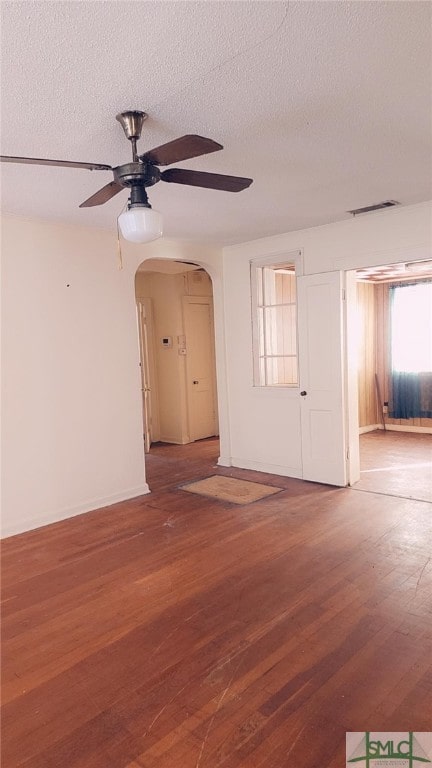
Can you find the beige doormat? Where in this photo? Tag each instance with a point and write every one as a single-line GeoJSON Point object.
{"type": "Point", "coordinates": [230, 489]}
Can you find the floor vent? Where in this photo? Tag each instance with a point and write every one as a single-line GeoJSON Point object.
{"type": "Point", "coordinates": [376, 207]}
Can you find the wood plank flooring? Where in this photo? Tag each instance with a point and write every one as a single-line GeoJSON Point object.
{"type": "Point", "coordinates": [397, 464]}
{"type": "Point", "coordinates": [173, 631]}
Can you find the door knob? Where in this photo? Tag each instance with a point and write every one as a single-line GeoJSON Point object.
{"type": "Point", "coordinates": [303, 393]}
{"type": "Point", "coordinates": [195, 382]}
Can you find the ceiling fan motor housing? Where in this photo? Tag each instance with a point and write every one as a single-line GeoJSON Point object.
{"type": "Point", "coordinates": [132, 174]}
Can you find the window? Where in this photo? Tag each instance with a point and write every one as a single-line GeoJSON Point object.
{"type": "Point", "coordinates": [411, 351]}
{"type": "Point", "coordinates": [411, 328]}
{"type": "Point", "coordinates": [275, 324]}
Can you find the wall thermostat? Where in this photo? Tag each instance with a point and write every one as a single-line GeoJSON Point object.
{"type": "Point", "coordinates": [167, 341]}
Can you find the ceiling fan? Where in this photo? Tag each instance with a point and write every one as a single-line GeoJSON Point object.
{"type": "Point", "coordinates": [140, 223]}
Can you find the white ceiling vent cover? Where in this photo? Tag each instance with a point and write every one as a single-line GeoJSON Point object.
{"type": "Point", "coordinates": [376, 207]}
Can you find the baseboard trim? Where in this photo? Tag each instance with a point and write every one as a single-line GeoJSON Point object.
{"type": "Point", "coordinates": [401, 428]}
{"type": "Point", "coordinates": [396, 428]}
{"type": "Point", "coordinates": [271, 469]}
{"type": "Point", "coordinates": [29, 524]}
{"type": "Point", "coordinates": [224, 461]}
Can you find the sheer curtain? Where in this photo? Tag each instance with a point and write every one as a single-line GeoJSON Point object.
{"type": "Point", "coordinates": [411, 350]}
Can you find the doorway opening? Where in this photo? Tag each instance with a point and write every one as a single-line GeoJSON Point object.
{"type": "Point", "coordinates": [177, 353]}
{"type": "Point", "coordinates": [395, 453]}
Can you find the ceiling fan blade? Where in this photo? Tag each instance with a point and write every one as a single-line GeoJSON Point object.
{"type": "Point", "coordinates": [181, 149]}
{"type": "Point", "coordinates": [208, 180]}
{"type": "Point", "coordinates": [61, 163]}
{"type": "Point", "coordinates": [102, 195]}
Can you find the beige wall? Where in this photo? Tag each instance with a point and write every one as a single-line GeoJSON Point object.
{"type": "Point", "coordinates": [71, 429]}
{"type": "Point", "coordinates": [71, 389]}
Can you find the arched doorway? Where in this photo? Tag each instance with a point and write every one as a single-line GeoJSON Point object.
{"type": "Point", "coordinates": [177, 350]}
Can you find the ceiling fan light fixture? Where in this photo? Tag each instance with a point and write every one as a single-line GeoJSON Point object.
{"type": "Point", "coordinates": [140, 224]}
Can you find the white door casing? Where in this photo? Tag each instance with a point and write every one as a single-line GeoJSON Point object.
{"type": "Point", "coordinates": [151, 428]}
{"type": "Point", "coordinates": [322, 390]}
{"type": "Point", "coordinates": [352, 371]}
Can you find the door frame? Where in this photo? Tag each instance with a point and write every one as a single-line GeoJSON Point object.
{"type": "Point", "coordinates": [351, 413]}
{"type": "Point", "coordinates": [352, 397]}
{"type": "Point", "coordinates": [149, 380]}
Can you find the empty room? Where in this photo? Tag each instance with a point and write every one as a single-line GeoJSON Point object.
{"type": "Point", "coordinates": [216, 315]}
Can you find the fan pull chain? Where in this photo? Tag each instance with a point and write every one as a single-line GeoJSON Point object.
{"type": "Point", "coordinates": [119, 250]}
{"type": "Point", "coordinates": [119, 253]}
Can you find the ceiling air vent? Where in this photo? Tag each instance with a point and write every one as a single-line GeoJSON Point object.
{"type": "Point", "coordinates": [376, 207]}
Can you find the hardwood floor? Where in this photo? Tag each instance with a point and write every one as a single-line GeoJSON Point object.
{"type": "Point", "coordinates": [173, 631]}
{"type": "Point", "coordinates": [396, 464]}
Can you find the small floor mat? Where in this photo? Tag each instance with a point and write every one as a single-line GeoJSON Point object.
{"type": "Point", "coordinates": [230, 489]}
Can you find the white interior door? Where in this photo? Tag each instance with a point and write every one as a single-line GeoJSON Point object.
{"type": "Point", "coordinates": [148, 373]}
{"type": "Point", "coordinates": [200, 367]}
{"type": "Point", "coordinates": [321, 359]}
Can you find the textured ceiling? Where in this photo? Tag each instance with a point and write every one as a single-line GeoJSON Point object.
{"type": "Point", "coordinates": [327, 105]}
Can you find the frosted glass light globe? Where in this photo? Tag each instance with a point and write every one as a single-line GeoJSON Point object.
{"type": "Point", "coordinates": [140, 224]}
